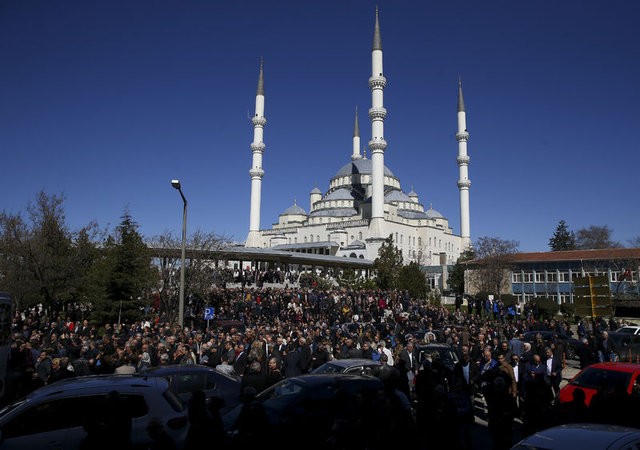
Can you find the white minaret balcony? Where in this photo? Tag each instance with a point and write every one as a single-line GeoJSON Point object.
{"type": "Point", "coordinates": [464, 184]}
{"type": "Point", "coordinates": [258, 147]}
{"type": "Point", "coordinates": [259, 121]}
{"type": "Point", "coordinates": [256, 173]}
{"type": "Point", "coordinates": [377, 145]}
{"type": "Point", "coordinates": [378, 113]}
{"type": "Point", "coordinates": [379, 82]}
{"type": "Point", "coordinates": [463, 160]}
{"type": "Point", "coordinates": [462, 136]}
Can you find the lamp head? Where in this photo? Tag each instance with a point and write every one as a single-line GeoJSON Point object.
{"type": "Point", "coordinates": [175, 184]}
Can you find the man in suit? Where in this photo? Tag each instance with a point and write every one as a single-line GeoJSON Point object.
{"type": "Point", "coordinates": [410, 357]}
{"type": "Point", "coordinates": [240, 363]}
{"type": "Point", "coordinates": [554, 369]}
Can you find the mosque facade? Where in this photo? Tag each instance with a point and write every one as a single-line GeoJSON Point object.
{"type": "Point", "coordinates": [365, 202]}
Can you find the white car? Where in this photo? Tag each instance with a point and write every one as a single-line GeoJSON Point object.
{"type": "Point", "coordinates": [582, 435]}
{"type": "Point", "coordinates": [55, 416]}
{"type": "Point", "coordinates": [629, 329]}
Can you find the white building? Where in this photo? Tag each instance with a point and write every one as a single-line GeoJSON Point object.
{"type": "Point", "coordinates": [365, 202]}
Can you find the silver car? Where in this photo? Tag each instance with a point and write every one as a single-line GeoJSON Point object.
{"type": "Point", "coordinates": [56, 416]}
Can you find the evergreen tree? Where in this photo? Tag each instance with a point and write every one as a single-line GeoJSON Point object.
{"type": "Point", "coordinates": [456, 276]}
{"type": "Point", "coordinates": [412, 279]}
{"type": "Point", "coordinates": [129, 275]}
{"type": "Point", "coordinates": [388, 264]}
{"type": "Point", "coordinates": [563, 238]}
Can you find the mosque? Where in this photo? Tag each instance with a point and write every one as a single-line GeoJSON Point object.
{"type": "Point", "coordinates": [365, 203]}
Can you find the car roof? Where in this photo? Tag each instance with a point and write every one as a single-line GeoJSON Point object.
{"type": "Point", "coordinates": [313, 380]}
{"type": "Point", "coordinates": [173, 369]}
{"type": "Point", "coordinates": [96, 384]}
{"type": "Point", "coordinates": [587, 435]}
{"type": "Point", "coordinates": [434, 345]}
{"type": "Point", "coordinates": [350, 362]}
{"type": "Point", "coordinates": [617, 366]}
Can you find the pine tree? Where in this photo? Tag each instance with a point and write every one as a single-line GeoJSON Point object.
{"type": "Point", "coordinates": [388, 264]}
{"type": "Point", "coordinates": [563, 238]}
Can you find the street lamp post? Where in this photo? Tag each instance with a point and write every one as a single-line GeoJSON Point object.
{"type": "Point", "coordinates": [176, 185]}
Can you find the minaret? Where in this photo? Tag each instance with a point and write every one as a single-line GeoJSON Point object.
{"type": "Point", "coordinates": [256, 171]}
{"type": "Point", "coordinates": [356, 140]}
{"type": "Point", "coordinates": [462, 136]}
{"type": "Point", "coordinates": [377, 144]}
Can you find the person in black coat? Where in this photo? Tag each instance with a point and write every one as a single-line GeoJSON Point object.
{"type": "Point", "coordinates": [255, 377]}
{"type": "Point", "coordinates": [292, 365]}
{"type": "Point", "coordinates": [319, 356]}
{"type": "Point", "coordinates": [241, 360]}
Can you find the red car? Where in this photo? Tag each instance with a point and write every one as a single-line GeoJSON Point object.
{"type": "Point", "coordinates": [610, 375]}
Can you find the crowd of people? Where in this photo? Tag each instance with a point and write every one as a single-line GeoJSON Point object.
{"type": "Point", "coordinates": [274, 333]}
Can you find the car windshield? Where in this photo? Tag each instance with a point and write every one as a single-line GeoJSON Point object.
{"type": "Point", "coordinates": [328, 368]}
{"type": "Point", "coordinates": [626, 330]}
{"type": "Point", "coordinates": [594, 378]}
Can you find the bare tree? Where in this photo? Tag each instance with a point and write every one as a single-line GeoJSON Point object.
{"type": "Point", "coordinates": [200, 268]}
{"type": "Point", "coordinates": [634, 242]}
{"type": "Point", "coordinates": [595, 237]}
{"type": "Point", "coordinates": [489, 271]}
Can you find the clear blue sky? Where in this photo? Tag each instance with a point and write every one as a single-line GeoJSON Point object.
{"type": "Point", "coordinates": [104, 102]}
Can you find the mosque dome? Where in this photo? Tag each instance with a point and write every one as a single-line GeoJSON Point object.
{"type": "Point", "coordinates": [294, 210]}
{"type": "Point", "coordinates": [433, 214]}
{"type": "Point", "coordinates": [360, 167]}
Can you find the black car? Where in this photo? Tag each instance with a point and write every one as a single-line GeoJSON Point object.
{"type": "Point", "coordinates": [318, 411]}
{"type": "Point", "coordinates": [360, 366]}
{"type": "Point", "coordinates": [187, 378]}
{"type": "Point", "coordinates": [445, 352]}
{"type": "Point", "coordinates": [570, 344]}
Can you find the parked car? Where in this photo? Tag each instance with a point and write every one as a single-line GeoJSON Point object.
{"type": "Point", "coordinates": [630, 329]}
{"type": "Point", "coordinates": [185, 379]}
{"type": "Point", "coordinates": [582, 435]}
{"type": "Point", "coordinates": [445, 352]}
{"type": "Point", "coordinates": [55, 415]}
{"type": "Point", "coordinates": [570, 343]}
{"type": "Point", "coordinates": [360, 366]}
{"type": "Point", "coordinates": [314, 407]}
{"type": "Point", "coordinates": [614, 375]}
{"type": "Point", "coordinates": [627, 346]}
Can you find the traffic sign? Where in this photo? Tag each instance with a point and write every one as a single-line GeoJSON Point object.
{"type": "Point", "coordinates": [209, 312]}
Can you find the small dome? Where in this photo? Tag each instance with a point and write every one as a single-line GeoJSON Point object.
{"type": "Point", "coordinates": [396, 196]}
{"type": "Point", "coordinates": [433, 214]}
{"type": "Point", "coordinates": [316, 191]}
{"type": "Point", "coordinates": [339, 194]}
{"type": "Point", "coordinates": [294, 210]}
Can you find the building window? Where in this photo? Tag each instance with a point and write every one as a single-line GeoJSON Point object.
{"type": "Point", "coordinates": [563, 277]}
{"type": "Point", "coordinates": [527, 277]}
{"type": "Point", "coordinates": [516, 277]}
{"type": "Point", "coordinates": [360, 235]}
{"type": "Point", "coordinates": [539, 276]}
{"type": "Point", "coordinates": [552, 277]}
